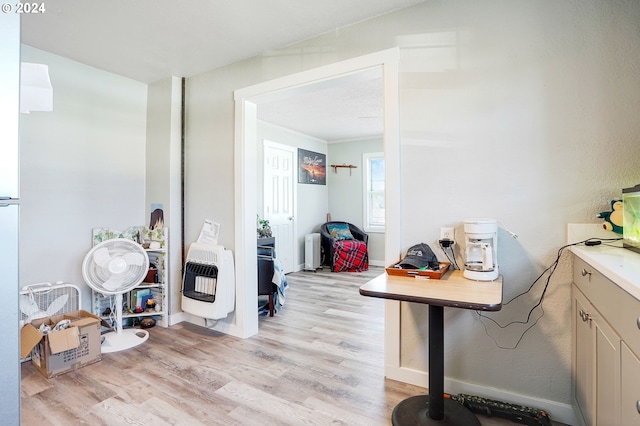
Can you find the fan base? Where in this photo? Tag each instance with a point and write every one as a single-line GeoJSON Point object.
{"type": "Point", "coordinates": [125, 339]}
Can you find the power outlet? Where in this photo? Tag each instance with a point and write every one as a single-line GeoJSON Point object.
{"type": "Point", "coordinates": [446, 234]}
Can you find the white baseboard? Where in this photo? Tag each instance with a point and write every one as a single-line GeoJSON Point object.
{"type": "Point", "coordinates": [177, 318]}
{"type": "Point", "coordinates": [558, 412]}
{"type": "Point", "coordinates": [223, 325]}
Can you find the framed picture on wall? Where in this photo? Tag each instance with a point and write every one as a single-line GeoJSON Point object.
{"type": "Point", "coordinates": [312, 167]}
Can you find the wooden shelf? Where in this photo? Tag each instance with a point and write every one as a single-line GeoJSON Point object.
{"type": "Point", "coordinates": [344, 166]}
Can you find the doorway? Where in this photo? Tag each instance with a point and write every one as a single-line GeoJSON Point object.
{"type": "Point", "coordinates": [279, 199]}
{"type": "Point", "coordinates": [247, 100]}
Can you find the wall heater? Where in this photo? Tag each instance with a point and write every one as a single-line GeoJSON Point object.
{"type": "Point", "coordinates": [208, 282]}
{"type": "Point", "coordinates": [311, 252]}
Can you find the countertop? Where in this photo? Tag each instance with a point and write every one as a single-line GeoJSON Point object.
{"type": "Point", "coordinates": [620, 265]}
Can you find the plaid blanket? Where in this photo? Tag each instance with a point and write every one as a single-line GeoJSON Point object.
{"type": "Point", "coordinates": [350, 256]}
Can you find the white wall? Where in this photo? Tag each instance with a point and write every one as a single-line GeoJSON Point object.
{"type": "Point", "coordinates": [527, 119]}
{"type": "Point", "coordinates": [82, 166]}
{"type": "Point", "coordinates": [518, 110]}
{"type": "Point", "coordinates": [346, 189]}
{"type": "Point", "coordinates": [312, 200]}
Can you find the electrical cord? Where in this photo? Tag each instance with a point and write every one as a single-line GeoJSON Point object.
{"type": "Point", "coordinates": [551, 269]}
{"type": "Point", "coordinates": [447, 246]}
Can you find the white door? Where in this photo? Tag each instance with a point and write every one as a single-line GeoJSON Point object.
{"type": "Point", "coordinates": [279, 199]}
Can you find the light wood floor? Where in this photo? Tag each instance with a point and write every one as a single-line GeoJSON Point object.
{"type": "Point", "coordinates": [319, 361]}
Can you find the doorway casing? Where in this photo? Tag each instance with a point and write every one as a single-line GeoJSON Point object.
{"type": "Point", "coordinates": [245, 180]}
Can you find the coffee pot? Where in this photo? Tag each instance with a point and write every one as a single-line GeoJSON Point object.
{"type": "Point", "coordinates": [481, 245]}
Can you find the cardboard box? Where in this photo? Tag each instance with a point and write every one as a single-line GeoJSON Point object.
{"type": "Point", "coordinates": [65, 350]}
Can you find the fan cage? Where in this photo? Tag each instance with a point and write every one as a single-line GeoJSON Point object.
{"type": "Point", "coordinates": [96, 275]}
{"type": "Point", "coordinates": [45, 293]}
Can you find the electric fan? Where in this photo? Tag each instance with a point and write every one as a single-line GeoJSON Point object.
{"type": "Point", "coordinates": [114, 267]}
{"type": "Point", "coordinates": [43, 300]}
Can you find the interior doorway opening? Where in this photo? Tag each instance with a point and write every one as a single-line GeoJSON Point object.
{"type": "Point", "coordinates": [247, 101]}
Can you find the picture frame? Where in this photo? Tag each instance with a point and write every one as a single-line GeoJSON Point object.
{"type": "Point", "coordinates": [312, 167]}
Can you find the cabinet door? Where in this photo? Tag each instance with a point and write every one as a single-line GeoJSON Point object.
{"type": "Point", "coordinates": [584, 358]}
{"type": "Point", "coordinates": [607, 373]}
{"type": "Point", "coordinates": [630, 398]}
{"type": "Point", "coordinates": [597, 365]}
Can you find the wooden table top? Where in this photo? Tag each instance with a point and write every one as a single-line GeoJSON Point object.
{"type": "Point", "coordinates": [452, 290]}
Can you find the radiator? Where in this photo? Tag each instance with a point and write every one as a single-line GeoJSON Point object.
{"type": "Point", "coordinates": [311, 252]}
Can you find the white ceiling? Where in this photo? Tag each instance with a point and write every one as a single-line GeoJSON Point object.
{"type": "Point", "coordinates": [343, 108]}
{"type": "Point", "coordinates": [149, 40]}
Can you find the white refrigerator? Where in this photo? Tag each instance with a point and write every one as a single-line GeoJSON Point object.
{"type": "Point", "coordinates": [9, 218]}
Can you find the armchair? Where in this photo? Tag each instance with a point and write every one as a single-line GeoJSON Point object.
{"type": "Point", "coordinates": [344, 246]}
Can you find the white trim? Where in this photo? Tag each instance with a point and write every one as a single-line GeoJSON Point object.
{"type": "Point", "coordinates": [358, 139]}
{"type": "Point", "coordinates": [245, 164]}
{"type": "Point", "coordinates": [393, 219]}
{"type": "Point", "coordinates": [291, 131]}
{"type": "Point", "coordinates": [559, 412]}
{"type": "Point", "coordinates": [245, 181]}
{"type": "Point", "coordinates": [392, 367]}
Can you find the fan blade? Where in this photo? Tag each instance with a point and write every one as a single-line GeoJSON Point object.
{"type": "Point", "coordinates": [134, 259]}
{"type": "Point", "coordinates": [113, 283]}
{"type": "Point", "coordinates": [57, 304]}
{"type": "Point", "coordinates": [37, 315]}
{"type": "Point", "coordinates": [28, 306]}
{"type": "Point", "coordinates": [102, 257]}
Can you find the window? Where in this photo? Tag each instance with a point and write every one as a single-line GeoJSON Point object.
{"type": "Point", "coordinates": [373, 192]}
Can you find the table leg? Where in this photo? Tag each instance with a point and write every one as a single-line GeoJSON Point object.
{"type": "Point", "coordinates": [433, 409]}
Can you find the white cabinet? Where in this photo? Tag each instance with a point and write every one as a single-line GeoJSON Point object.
{"type": "Point", "coordinates": [630, 400]}
{"type": "Point", "coordinates": [583, 358]}
{"type": "Point", "coordinates": [606, 371]}
{"type": "Point", "coordinates": [596, 364]}
{"type": "Point", "coordinates": [155, 286]}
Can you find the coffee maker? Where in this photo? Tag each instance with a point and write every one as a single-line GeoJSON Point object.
{"type": "Point", "coordinates": [481, 238]}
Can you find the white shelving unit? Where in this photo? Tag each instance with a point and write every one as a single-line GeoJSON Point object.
{"type": "Point", "coordinates": [158, 256]}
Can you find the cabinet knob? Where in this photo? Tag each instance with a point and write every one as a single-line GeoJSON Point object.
{"type": "Point", "coordinates": [584, 315]}
{"type": "Point", "coordinates": [584, 272]}
{"type": "Point", "coordinates": [638, 322]}
{"type": "Point", "coordinates": [638, 406]}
